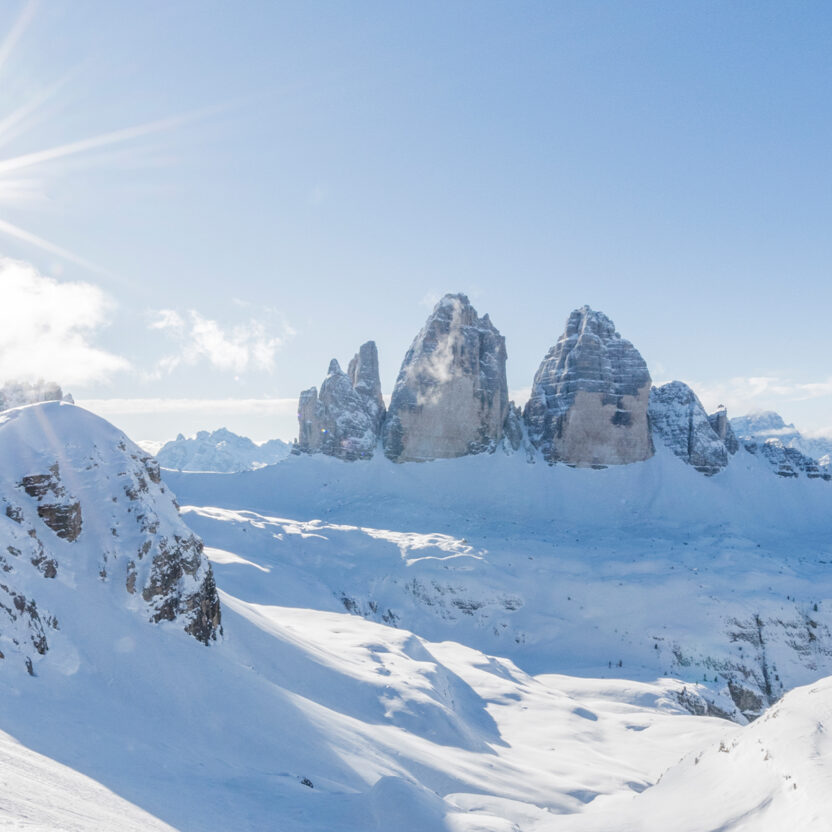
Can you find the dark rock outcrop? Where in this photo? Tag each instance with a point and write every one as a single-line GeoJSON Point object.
{"type": "Point", "coordinates": [588, 405]}
{"type": "Point", "coordinates": [680, 421]}
{"type": "Point", "coordinates": [451, 396]}
{"type": "Point", "coordinates": [59, 511]}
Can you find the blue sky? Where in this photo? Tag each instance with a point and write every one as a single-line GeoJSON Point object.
{"type": "Point", "coordinates": [323, 171]}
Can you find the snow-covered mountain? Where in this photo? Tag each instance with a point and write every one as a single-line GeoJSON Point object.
{"type": "Point", "coordinates": [766, 424]}
{"type": "Point", "coordinates": [220, 451]}
{"type": "Point", "coordinates": [380, 625]}
{"type": "Point", "coordinates": [83, 507]}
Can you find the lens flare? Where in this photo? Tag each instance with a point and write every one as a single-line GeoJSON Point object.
{"type": "Point", "coordinates": [42, 164]}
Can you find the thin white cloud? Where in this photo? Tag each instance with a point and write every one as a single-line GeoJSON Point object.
{"type": "Point", "coordinates": [743, 394]}
{"type": "Point", "coordinates": [47, 328]}
{"type": "Point", "coordinates": [216, 407]}
{"type": "Point", "coordinates": [238, 349]}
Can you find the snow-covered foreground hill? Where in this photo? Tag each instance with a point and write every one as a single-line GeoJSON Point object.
{"type": "Point", "coordinates": [381, 625]}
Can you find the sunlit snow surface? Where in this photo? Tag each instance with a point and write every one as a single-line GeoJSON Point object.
{"type": "Point", "coordinates": [357, 686]}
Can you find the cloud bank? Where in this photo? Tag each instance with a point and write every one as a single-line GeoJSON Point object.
{"type": "Point", "coordinates": [47, 328]}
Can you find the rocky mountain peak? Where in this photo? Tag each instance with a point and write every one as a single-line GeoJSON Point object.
{"type": "Point", "coordinates": [451, 395]}
{"type": "Point", "coordinates": [680, 421]}
{"type": "Point", "coordinates": [344, 420]}
{"type": "Point", "coordinates": [364, 376]}
{"type": "Point", "coordinates": [588, 404]}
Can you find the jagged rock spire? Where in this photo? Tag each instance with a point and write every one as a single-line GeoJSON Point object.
{"type": "Point", "coordinates": [345, 419]}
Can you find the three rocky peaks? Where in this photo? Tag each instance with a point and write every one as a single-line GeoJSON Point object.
{"type": "Point", "coordinates": [592, 403]}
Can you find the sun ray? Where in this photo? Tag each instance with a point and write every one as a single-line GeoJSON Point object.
{"type": "Point", "coordinates": [17, 30]}
{"type": "Point", "coordinates": [83, 145]}
{"type": "Point", "coordinates": [16, 117]}
{"type": "Point", "coordinates": [27, 237]}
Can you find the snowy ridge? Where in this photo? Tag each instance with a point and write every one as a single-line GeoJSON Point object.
{"type": "Point", "coordinates": [771, 775]}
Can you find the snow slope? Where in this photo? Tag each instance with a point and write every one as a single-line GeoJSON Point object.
{"type": "Point", "coordinates": [381, 624]}
{"type": "Point", "coordinates": [723, 579]}
{"type": "Point", "coordinates": [40, 794]}
{"type": "Point", "coordinates": [771, 775]}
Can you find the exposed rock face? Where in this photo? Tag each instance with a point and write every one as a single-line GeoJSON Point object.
{"type": "Point", "coordinates": [363, 374]}
{"type": "Point", "coordinates": [58, 510]}
{"type": "Point", "coordinates": [310, 417]}
{"type": "Point", "coordinates": [451, 396]}
{"type": "Point", "coordinates": [678, 418]}
{"type": "Point", "coordinates": [77, 495]}
{"type": "Point", "coordinates": [722, 428]}
{"type": "Point", "coordinates": [345, 420]}
{"type": "Point", "coordinates": [513, 428]}
{"type": "Point", "coordinates": [588, 405]}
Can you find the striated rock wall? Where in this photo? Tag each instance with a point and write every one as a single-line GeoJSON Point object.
{"type": "Point", "coordinates": [451, 395]}
{"type": "Point", "coordinates": [680, 421]}
{"type": "Point", "coordinates": [364, 377]}
{"type": "Point", "coordinates": [589, 399]}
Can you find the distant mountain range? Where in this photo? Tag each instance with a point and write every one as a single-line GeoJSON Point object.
{"type": "Point", "coordinates": [766, 424]}
{"type": "Point", "coordinates": [220, 451]}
